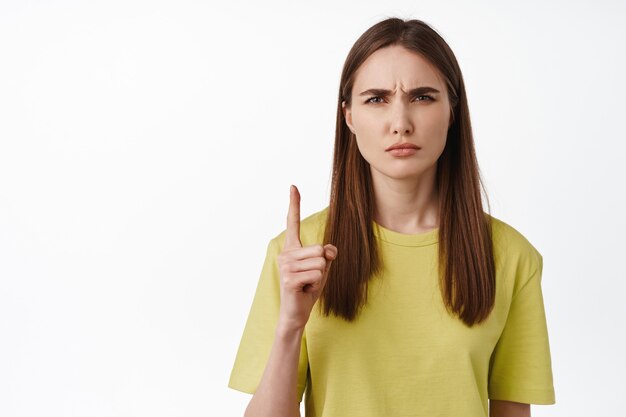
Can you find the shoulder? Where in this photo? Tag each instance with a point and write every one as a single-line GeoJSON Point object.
{"type": "Point", "coordinates": [512, 248]}
{"type": "Point", "coordinates": [311, 230]}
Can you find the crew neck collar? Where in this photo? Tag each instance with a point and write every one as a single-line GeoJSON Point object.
{"type": "Point", "coordinates": [402, 239]}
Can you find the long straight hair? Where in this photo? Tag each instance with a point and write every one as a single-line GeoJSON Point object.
{"type": "Point", "coordinates": [466, 261]}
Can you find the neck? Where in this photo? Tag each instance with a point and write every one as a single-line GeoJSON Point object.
{"type": "Point", "coordinates": [407, 205]}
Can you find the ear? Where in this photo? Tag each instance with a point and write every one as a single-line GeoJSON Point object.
{"type": "Point", "coordinates": [347, 114]}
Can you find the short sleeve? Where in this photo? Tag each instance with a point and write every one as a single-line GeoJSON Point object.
{"type": "Point", "coordinates": [260, 329]}
{"type": "Point", "coordinates": [520, 367]}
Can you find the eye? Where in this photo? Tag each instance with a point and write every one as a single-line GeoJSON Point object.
{"type": "Point", "coordinates": [427, 98]}
{"type": "Point", "coordinates": [369, 99]}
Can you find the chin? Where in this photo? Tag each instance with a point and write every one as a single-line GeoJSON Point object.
{"type": "Point", "coordinates": [401, 174]}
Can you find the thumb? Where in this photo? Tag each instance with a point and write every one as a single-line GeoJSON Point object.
{"type": "Point", "coordinates": [330, 252]}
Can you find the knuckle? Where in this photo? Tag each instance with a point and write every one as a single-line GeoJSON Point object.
{"type": "Point", "coordinates": [284, 257]}
{"type": "Point", "coordinates": [280, 258]}
{"type": "Point", "coordinates": [287, 284]}
{"type": "Point", "coordinates": [319, 250]}
{"type": "Point", "coordinates": [285, 269]}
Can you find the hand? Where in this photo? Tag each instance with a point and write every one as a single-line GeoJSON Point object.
{"type": "Point", "coordinates": [303, 270]}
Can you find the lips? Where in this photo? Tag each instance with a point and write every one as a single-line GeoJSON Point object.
{"type": "Point", "coordinates": [402, 146]}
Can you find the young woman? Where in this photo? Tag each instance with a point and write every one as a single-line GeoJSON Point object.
{"type": "Point", "coordinates": [426, 304]}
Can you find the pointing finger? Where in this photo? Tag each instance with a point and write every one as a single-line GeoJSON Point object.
{"type": "Point", "coordinates": [292, 237]}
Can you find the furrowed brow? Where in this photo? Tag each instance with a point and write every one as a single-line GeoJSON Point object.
{"type": "Point", "coordinates": [414, 91]}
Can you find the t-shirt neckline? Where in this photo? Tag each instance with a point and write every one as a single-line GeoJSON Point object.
{"type": "Point", "coordinates": [418, 239]}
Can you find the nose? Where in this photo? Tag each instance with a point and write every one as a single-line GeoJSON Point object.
{"type": "Point", "coordinates": [400, 121]}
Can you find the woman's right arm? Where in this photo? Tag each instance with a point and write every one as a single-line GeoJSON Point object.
{"type": "Point", "coordinates": [303, 274]}
{"type": "Point", "coordinates": [276, 395]}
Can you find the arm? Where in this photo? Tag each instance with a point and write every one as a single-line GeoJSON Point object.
{"type": "Point", "coordinates": [276, 395]}
{"type": "Point", "coordinates": [500, 408]}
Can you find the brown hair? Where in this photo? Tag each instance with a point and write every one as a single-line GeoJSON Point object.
{"type": "Point", "coordinates": [466, 262]}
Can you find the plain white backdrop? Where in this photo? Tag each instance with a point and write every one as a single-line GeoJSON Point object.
{"type": "Point", "coordinates": [146, 153]}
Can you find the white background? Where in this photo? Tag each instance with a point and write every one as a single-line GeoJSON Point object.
{"type": "Point", "coordinates": [146, 153]}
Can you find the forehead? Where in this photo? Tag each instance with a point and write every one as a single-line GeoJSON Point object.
{"type": "Point", "coordinates": [393, 65]}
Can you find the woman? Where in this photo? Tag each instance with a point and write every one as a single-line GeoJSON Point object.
{"type": "Point", "coordinates": [426, 305]}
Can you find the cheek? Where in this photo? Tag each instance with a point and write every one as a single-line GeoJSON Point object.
{"type": "Point", "coordinates": [364, 143]}
{"type": "Point", "coordinates": [364, 122]}
{"type": "Point", "coordinates": [434, 127]}
{"type": "Point", "coordinates": [368, 134]}
{"type": "Point", "coordinates": [436, 118]}
{"type": "Point", "coordinates": [437, 135]}
{"type": "Point", "coordinates": [368, 145]}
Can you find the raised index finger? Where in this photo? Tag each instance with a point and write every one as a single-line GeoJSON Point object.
{"type": "Point", "coordinates": [292, 236]}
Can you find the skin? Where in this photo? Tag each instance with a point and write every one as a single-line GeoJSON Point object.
{"type": "Point", "coordinates": [404, 187]}
{"type": "Point", "coordinates": [499, 408]}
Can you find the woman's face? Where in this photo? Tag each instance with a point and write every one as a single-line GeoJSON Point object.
{"type": "Point", "coordinates": [409, 112]}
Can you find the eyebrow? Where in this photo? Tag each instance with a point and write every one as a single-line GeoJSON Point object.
{"type": "Point", "coordinates": [414, 91]}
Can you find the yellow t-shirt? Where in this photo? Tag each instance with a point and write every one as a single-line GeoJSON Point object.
{"type": "Point", "coordinates": [405, 355]}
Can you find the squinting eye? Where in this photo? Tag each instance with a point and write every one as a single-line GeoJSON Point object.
{"type": "Point", "coordinates": [368, 100]}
